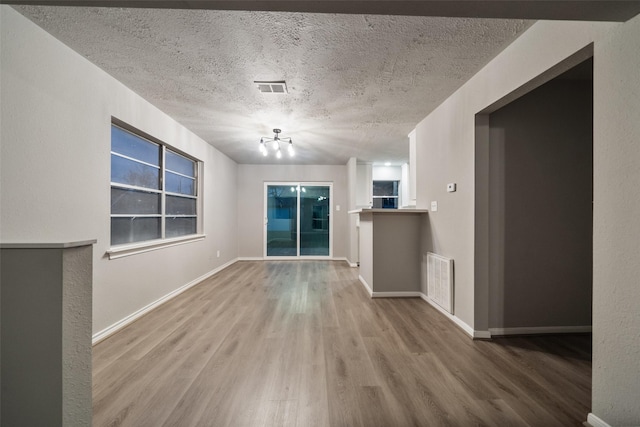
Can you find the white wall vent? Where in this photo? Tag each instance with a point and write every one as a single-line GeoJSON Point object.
{"type": "Point", "coordinates": [440, 280]}
{"type": "Point", "coordinates": [272, 87]}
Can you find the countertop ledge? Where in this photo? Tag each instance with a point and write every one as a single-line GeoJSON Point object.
{"type": "Point", "coordinates": [52, 245]}
{"type": "Point", "coordinates": [390, 211]}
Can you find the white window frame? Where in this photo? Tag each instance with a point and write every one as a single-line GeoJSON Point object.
{"type": "Point", "coordinates": [397, 197]}
{"type": "Point", "coordinates": [126, 249]}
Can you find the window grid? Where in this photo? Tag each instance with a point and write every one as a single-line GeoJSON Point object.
{"type": "Point", "coordinates": [385, 194]}
{"type": "Point", "coordinates": [162, 192]}
{"type": "Point", "coordinates": [163, 198]}
{"type": "Point", "coordinates": [136, 160]}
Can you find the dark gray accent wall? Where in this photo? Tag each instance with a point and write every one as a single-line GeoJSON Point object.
{"type": "Point", "coordinates": [541, 214]}
{"type": "Point", "coordinates": [396, 252]}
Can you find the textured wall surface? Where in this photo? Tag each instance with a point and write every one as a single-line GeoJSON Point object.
{"type": "Point", "coordinates": [55, 172]}
{"type": "Point", "coordinates": [616, 240]}
{"type": "Point", "coordinates": [46, 335]}
{"type": "Point", "coordinates": [446, 142]}
{"type": "Point", "coordinates": [31, 337]}
{"type": "Point", "coordinates": [77, 272]}
{"type": "Point", "coordinates": [446, 153]}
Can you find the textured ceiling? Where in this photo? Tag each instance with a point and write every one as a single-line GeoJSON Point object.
{"type": "Point", "coordinates": [358, 84]}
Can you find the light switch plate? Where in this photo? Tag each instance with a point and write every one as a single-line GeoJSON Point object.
{"type": "Point", "coordinates": [337, 207]}
{"type": "Point", "coordinates": [451, 187]}
{"type": "Point", "coordinates": [434, 206]}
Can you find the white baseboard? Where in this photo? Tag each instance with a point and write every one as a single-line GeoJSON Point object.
{"type": "Point", "coordinates": [345, 260]}
{"type": "Point", "coordinates": [366, 285]}
{"type": "Point", "coordinates": [410, 294]}
{"type": "Point", "coordinates": [110, 330]}
{"type": "Point", "coordinates": [407, 294]}
{"type": "Point", "coordinates": [596, 422]}
{"type": "Point", "coordinates": [455, 319]}
{"type": "Point", "coordinates": [351, 264]}
{"type": "Point", "coordinates": [249, 258]}
{"type": "Point", "coordinates": [539, 330]}
{"type": "Point", "coordinates": [258, 258]}
{"type": "Point", "coordinates": [481, 335]}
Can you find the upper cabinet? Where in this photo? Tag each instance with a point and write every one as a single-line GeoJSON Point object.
{"type": "Point", "coordinates": [364, 186]}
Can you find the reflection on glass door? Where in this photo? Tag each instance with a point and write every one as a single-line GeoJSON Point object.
{"type": "Point", "coordinates": [314, 220]}
{"type": "Point", "coordinates": [282, 220]}
{"type": "Point", "coordinates": [297, 220]}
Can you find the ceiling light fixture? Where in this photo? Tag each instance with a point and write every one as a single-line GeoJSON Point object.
{"type": "Point", "coordinates": [274, 143]}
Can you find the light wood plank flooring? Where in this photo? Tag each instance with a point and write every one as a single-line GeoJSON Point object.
{"type": "Point", "coordinates": [289, 343]}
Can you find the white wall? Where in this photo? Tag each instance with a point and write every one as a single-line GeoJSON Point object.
{"type": "Point", "coordinates": [352, 219]}
{"type": "Point", "coordinates": [445, 141]}
{"type": "Point", "coordinates": [55, 169]}
{"type": "Point", "coordinates": [251, 179]}
{"type": "Point", "coordinates": [387, 173]}
{"type": "Point", "coordinates": [446, 152]}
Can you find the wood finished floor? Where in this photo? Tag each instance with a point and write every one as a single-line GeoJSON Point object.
{"type": "Point", "coordinates": [301, 344]}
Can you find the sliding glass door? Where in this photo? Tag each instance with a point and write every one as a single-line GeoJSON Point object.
{"type": "Point", "coordinates": [282, 220]}
{"type": "Point", "coordinates": [298, 220]}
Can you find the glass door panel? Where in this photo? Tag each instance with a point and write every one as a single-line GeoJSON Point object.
{"type": "Point", "coordinates": [282, 220]}
{"type": "Point", "coordinates": [314, 220]}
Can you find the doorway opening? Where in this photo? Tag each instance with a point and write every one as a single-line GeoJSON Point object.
{"type": "Point", "coordinates": [534, 208]}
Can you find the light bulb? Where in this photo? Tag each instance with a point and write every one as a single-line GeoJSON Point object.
{"type": "Point", "coordinates": [278, 154]}
{"type": "Point", "coordinates": [291, 152]}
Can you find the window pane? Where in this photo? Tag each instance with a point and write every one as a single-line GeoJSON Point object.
{"type": "Point", "coordinates": [385, 203]}
{"type": "Point", "coordinates": [134, 202]}
{"type": "Point", "coordinates": [180, 227]}
{"type": "Point", "coordinates": [180, 164]}
{"type": "Point", "coordinates": [134, 229]}
{"type": "Point", "coordinates": [179, 184]}
{"type": "Point", "coordinates": [124, 171]}
{"type": "Point", "coordinates": [133, 146]}
{"type": "Point", "coordinates": [385, 188]}
{"type": "Point", "coordinates": [180, 206]}
{"type": "Point", "coordinates": [282, 225]}
{"type": "Point", "coordinates": [314, 221]}
{"type": "Point", "coordinates": [158, 181]}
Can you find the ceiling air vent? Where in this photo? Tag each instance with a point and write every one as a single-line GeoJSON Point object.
{"type": "Point", "coordinates": [272, 87]}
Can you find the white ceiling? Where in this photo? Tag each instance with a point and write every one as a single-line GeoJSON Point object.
{"type": "Point", "coordinates": [358, 84]}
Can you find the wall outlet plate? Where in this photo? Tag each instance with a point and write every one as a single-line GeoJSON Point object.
{"type": "Point", "coordinates": [434, 206]}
